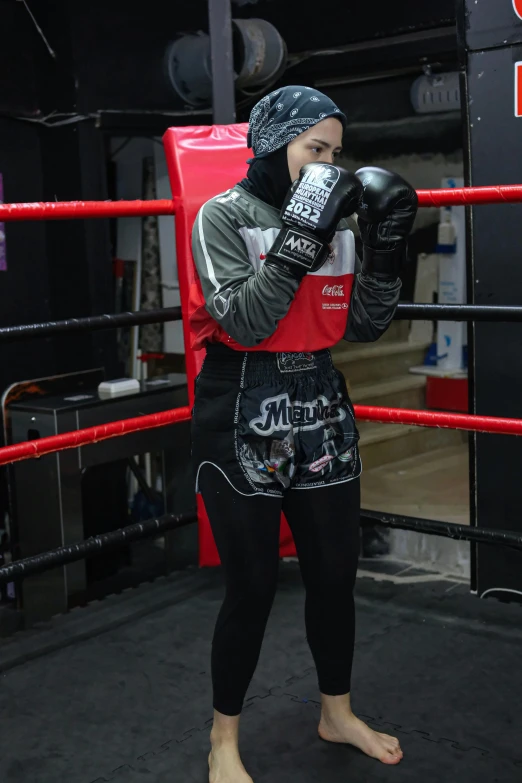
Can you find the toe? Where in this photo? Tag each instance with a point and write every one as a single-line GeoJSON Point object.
{"type": "Point", "coordinates": [391, 743]}
{"type": "Point", "coordinates": [393, 753]}
{"type": "Point", "coordinates": [391, 758]}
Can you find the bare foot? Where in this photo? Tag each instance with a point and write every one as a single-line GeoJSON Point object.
{"type": "Point", "coordinates": [351, 730]}
{"type": "Point", "coordinates": [225, 765]}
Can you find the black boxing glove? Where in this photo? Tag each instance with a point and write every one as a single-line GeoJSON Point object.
{"type": "Point", "coordinates": [313, 207]}
{"type": "Point", "coordinates": [386, 215]}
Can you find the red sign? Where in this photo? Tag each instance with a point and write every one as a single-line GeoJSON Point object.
{"type": "Point", "coordinates": [517, 6]}
{"type": "Point", "coordinates": [518, 89]}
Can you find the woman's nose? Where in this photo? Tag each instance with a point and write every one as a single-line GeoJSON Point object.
{"type": "Point", "coordinates": [327, 157]}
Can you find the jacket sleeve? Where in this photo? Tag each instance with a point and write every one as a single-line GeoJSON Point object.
{"type": "Point", "coordinates": [372, 307]}
{"type": "Point", "coordinates": [247, 304]}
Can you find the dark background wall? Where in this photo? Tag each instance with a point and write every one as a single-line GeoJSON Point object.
{"type": "Point", "coordinates": [18, 89]}
{"type": "Point", "coordinates": [118, 47]}
{"type": "Point", "coordinates": [24, 288]}
{"type": "Point", "coordinates": [55, 269]}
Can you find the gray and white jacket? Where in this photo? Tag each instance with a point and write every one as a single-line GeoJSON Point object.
{"type": "Point", "coordinates": [240, 301]}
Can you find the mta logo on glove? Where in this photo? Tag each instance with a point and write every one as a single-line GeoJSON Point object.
{"type": "Point", "coordinates": [299, 248]}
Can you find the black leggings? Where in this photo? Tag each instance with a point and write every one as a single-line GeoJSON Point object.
{"type": "Point", "coordinates": [325, 526]}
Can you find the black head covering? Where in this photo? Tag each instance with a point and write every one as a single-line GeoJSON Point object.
{"type": "Point", "coordinates": [269, 178]}
{"type": "Point", "coordinates": [274, 122]}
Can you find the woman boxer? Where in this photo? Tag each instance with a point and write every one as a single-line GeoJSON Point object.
{"type": "Point", "coordinates": [279, 283]}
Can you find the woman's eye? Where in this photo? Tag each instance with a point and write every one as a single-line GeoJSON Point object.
{"type": "Point", "coordinates": [317, 149]}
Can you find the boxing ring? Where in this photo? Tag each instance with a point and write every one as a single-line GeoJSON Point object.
{"type": "Point", "coordinates": [145, 713]}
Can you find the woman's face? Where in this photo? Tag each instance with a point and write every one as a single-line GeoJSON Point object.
{"type": "Point", "coordinates": [319, 144]}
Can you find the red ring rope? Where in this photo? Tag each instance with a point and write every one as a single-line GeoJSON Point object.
{"type": "Point", "coordinates": [455, 421]}
{"type": "Point", "coordinates": [450, 197]}
{"type": "Point", "coordinates": [70, 440]}
{"type": "Point", "coordinates": [75, 210]}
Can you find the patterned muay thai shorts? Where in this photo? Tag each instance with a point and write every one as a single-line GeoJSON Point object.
{"type": "Point", "coordinates": [274, 421]}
